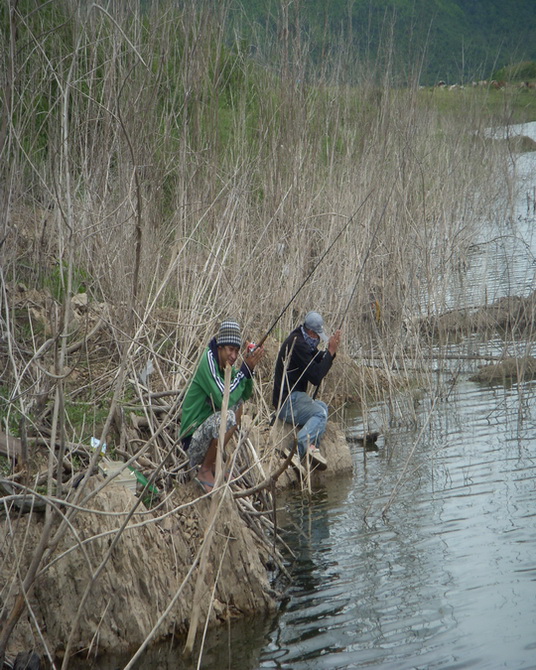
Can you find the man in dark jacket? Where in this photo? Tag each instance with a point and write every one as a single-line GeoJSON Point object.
{"type": "Point", "coordinates": [299, 363]}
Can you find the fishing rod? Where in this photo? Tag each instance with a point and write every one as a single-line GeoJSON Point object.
{"type": "Point", "coordinates": [263, 339]}
{"type": "Point", "coordinates": [354, 289]}
{"type": "Point", "coordinates": [366, 258]}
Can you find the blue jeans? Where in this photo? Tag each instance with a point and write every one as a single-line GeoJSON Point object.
{"type": "Point", "coordinates": [300, 409]}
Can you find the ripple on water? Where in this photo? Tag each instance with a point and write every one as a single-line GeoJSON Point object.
{"type": "Point", "coordinates": [448, 578]}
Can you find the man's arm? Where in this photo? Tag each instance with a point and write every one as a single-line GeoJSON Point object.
{"type": "Point", "coordinates": [210, 381]}
{"type": "Point", "coordinates": [319, 368]}
{"type": "Point", "coordinates": [322, 362]}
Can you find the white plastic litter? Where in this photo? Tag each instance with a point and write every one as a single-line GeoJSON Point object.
{"type": "Point", "coordinates": [147, 370]}
{"type": "Point", "coordinates": [94, 442]}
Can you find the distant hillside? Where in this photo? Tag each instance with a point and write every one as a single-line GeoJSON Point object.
{"type": "Point", "coordinates": [454, 40]}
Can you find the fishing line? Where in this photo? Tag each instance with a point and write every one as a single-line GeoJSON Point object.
{"type": "Point", "coordinates": [369, 249]}
{"type": "Point", "coordinates": [261, 342]}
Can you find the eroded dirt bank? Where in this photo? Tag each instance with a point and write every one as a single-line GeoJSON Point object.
{"type": "Point", "coordinates": [147, 579]}
{"type": "Point", "coordinates": [147, 573]}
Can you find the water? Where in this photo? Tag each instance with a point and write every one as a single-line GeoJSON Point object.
{"type": "Point", "coordinates": [446, 577]}
{"type": "Point", "coordinates": [503, 259]}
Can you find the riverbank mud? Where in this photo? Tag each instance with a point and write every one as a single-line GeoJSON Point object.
{"type": "Point", "coordinates": [146, 568]}
{"type": "Point", "coordinates": [104, 588]}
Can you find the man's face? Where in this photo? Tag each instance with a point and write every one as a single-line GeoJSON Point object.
{"type": "Point", "coordinates": [312, 334]}
{"type": "Point", "coordinates": [228, 354]}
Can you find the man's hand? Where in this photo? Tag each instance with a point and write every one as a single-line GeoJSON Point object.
{"type": "Point", "coordinates": [333, 342]}
{"type": "Point", "coordinates": [253, 357]}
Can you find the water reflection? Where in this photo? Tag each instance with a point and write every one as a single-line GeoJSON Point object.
{"type": "Point", "coordinates": [232, 647]}
{"type": "Point", "coordinates": [448, 578]}
{"type": "Point", "coordinates": [317, 602]}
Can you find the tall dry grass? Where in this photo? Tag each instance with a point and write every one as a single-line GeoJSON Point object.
{"type": "Point", "coordinates": [151, 164]}
{"type": "Point", "coordinates": [178, 182]}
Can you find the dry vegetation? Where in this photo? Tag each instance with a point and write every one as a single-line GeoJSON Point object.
{"type": "Point", "coordinates": [155, 180]}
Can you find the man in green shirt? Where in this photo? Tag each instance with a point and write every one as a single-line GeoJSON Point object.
{"type": "Point", "coordinates": [201, 415]}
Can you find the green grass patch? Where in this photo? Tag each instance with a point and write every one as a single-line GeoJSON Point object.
{"type": "Point", "coordinates": [56, 280]}
{"type": "Point", "coordinates": [85, 419]}
{"type": "Point", "coordinates": [9, 414]}
{"type": "Point", "coordinates": [511, 104]}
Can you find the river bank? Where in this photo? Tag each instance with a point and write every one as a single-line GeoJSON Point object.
{"type": "Point", "coordinates": [123, 243]}
{"type": "Point", "coordinates": [120, 579]}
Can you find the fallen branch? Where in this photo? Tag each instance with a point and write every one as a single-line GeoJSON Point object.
{"type": "Point", "coordinates": [80, 343]}
{"type": "Point", "coordinates": [273, 477]}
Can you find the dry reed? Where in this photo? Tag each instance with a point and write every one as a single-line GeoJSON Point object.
{"type": "Point", "coordinates": [150, 166]}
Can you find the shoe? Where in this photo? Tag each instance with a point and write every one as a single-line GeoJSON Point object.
{"type": "Point", "coordinates": [315, 457]}
{"type": "Point", "coordinates": [206, 486]}
{"type": "Point", "coordinates": [295, 460]}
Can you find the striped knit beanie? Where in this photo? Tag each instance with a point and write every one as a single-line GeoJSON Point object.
{"type": "Point", "coordinates": [229, 333]}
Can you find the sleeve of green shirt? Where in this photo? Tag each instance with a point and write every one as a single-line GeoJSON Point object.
{"type": "Point", "coordinates": [205, 393]}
